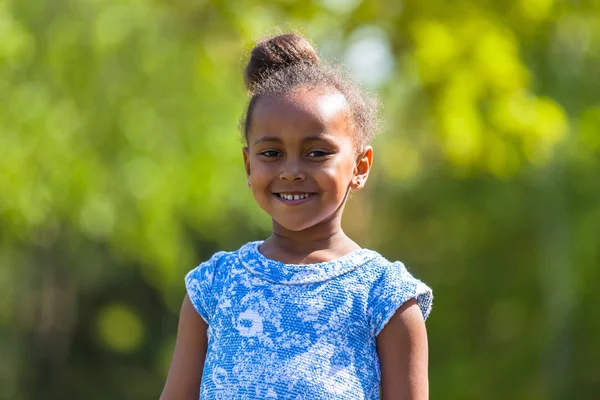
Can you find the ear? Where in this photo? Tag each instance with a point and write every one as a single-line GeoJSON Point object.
{"type": "Point", "coordinates": [362, 168]}
{"type": "Point", "coordinates": [247, 165]}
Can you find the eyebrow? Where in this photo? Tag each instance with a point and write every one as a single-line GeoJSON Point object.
{"type": "Point", "coordinates": [314, 138]}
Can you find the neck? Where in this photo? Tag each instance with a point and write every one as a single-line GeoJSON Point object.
{"type": "Point", "coordinates": [327, 235]}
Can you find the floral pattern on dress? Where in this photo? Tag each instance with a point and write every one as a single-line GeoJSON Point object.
{"type": "Point", "coordinates": [285, 331]}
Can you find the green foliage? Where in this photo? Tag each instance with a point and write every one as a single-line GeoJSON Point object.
{"type": "Point", "coordinates": [120, 169]}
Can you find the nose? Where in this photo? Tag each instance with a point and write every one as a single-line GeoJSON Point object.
{"type": "Point", "coordinates": [292, 170]}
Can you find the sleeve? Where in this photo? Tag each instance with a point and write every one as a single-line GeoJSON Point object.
{"type": "Point", "coordinates": [198, 283]}
{"type": "Point", "coordinates": [394, 287]}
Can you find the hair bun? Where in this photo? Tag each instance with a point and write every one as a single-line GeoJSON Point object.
{"type": "Point", "coordinates": [277, 53]}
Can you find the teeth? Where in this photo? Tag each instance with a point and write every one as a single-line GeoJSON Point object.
{"type": "Point", "coordinates": [294, 196]}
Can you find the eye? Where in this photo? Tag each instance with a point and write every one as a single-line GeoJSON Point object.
{"type": "Point", "coordinates": [269, 153]}
{"type": "Point", "coordinates": [318, 154]}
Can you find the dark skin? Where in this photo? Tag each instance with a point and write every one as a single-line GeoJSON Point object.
{"type": "Point", "coordinates": [300, 144]}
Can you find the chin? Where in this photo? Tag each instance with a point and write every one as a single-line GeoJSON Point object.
{"type": "Point", "coordinates": [295, 226]}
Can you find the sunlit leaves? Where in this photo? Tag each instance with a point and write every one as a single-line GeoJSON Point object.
{"type": "Point", "coordinates": [482, 102]}
{"type": "Point", "coordinates": [534, 10]}
{"type": "Point", "coordinates": [436, 49]}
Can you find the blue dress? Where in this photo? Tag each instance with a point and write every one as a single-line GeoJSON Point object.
{"type": "Point", "coordinates": [286, 331]}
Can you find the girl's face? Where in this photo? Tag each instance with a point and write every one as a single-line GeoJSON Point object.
{"type": "Point", "coordinates": [301, 159]}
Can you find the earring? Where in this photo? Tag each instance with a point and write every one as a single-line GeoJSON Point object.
{"type": "Point", "coordinates": [249, 182]}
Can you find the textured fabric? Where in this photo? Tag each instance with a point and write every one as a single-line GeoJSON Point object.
{"type": "Point", "coordinates": [297, 331]}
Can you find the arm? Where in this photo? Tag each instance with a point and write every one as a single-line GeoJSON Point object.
{"type": "Point", "coordinates": [402, 350]}
{"type": "Point", "coordinates": [185, 372]}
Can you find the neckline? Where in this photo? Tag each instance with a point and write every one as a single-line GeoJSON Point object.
{"type": "Point", "coordinates": [297, 274]}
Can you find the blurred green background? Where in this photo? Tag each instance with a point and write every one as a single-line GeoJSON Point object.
{"type": "Point", "coordinates": [121, 169]}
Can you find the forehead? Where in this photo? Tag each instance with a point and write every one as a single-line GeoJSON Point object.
{"type": "Point", "coordinates": [314, 110]}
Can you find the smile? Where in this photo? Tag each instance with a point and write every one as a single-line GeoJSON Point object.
{"type": "Point", "coordinates": [295, 196]}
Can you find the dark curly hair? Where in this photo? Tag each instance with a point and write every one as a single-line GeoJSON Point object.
{"type": "Point", "coordinates": [287, 62]}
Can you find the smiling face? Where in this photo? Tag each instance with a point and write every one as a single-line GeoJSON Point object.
{"type": "Point", "coordinates": [301, 158]}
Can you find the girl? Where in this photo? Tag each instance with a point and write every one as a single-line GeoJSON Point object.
{"type": "Point", "coordinates": [306, 313]}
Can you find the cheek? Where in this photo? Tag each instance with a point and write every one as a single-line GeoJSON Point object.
{"type": "Point", "coordinates": [259, 172]}
{"type": "Point", "coordinates": [337, 178]}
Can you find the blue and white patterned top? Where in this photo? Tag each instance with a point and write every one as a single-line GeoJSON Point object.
{"type": "Point", "coordinates": [286, 331]}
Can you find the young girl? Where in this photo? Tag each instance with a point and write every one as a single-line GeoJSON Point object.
{"type": "Point", "coordinates": [306, 313]}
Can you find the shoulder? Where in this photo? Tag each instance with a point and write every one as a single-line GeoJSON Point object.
{"type": "Point", "coordinates": [379, 270]}
{"type": "Point", "coordinates": [200, 280]}
{"type": "Point", "coordinates": [206, 270]}
{"type": "Point", "coordinates": [392, 285]}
